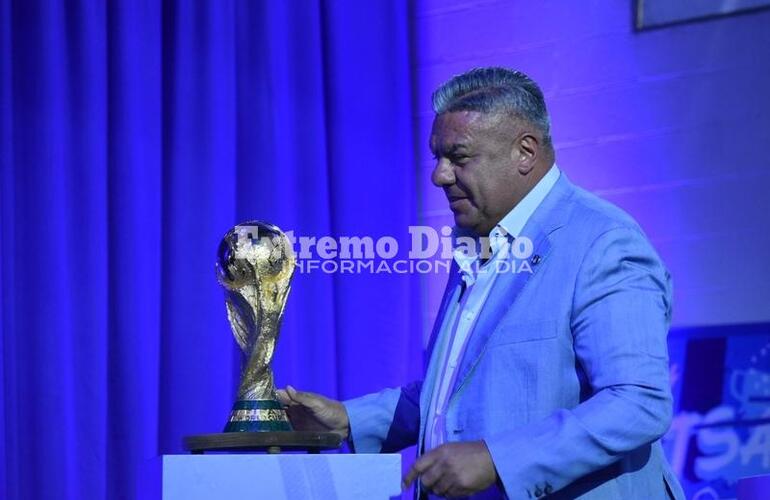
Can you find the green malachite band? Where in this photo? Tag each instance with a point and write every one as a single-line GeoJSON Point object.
{"type": "Point", "coordinates": [256, 426]}
{"type": "Point", "coordinates": [269, 424]}
{"type": "Point", "coordinates": [260, 404]}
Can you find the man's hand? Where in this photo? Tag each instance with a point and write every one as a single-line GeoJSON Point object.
{"type": "Point", "coordinates": [454, 469]}
{"type": "Point", "coordinates": [312, 412]}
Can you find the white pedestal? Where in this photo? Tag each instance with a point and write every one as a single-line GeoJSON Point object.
{"type": "Point", "coordinates": [287, 476]}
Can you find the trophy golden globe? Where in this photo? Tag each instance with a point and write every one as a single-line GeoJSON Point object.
{"type": "Point", "coordinates": [255, 264]}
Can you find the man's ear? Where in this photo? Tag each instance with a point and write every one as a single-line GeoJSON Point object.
{"type": "Point", "coordinates": [524, 152]}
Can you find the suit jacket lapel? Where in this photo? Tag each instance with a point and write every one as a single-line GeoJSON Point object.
{"type": "Point", "coordinates": [505, 290]}
{"type": "Point", "coordinates": [450, 294]}
{"type": "Point", "coordinates": [547, 218]}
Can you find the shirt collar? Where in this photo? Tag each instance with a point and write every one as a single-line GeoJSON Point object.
{"type": "Point", "coordinates": [510, 225]}
{"type": "Point", "coordinates": [515, 220]}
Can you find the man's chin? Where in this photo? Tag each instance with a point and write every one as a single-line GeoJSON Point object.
{"type": "Point", "coordinates": [466, 222]}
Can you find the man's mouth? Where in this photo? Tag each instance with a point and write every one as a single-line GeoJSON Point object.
{"type": "Point", "coordinates": [458, 202]}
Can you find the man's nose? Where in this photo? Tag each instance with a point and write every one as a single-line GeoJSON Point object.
{"type": "Point", "coordinates": [443, 174]}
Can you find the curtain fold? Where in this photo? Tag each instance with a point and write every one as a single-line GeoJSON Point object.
{"type": "Point", "coordinates": [132, 136]}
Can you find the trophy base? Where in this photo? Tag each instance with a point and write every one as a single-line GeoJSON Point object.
{"type": "Point", "coordinates": [258, 415]}
{"type": "Point", "coordinates": [270, 442]}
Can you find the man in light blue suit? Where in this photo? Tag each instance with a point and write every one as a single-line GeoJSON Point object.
{"type": "Point", "coordinates": [548, 372]}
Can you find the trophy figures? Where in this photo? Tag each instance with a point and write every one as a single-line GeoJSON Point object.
{"type": "Point", "coordinates": [255, 263]}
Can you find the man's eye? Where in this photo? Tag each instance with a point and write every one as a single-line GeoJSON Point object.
{"type": "Point", "coordinates": [459, 160]}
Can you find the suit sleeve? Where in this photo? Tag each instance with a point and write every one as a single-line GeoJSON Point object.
{"type": "Point", "coordinates": [620, 316]}
{"type": "Point", "coordinates": [386, 421]}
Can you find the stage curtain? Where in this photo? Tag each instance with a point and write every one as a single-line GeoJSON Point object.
{"type": "Point", "coordinates": [133, 134]}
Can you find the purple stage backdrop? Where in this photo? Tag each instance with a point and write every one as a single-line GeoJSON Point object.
{"type": "Point", "coordinates": [133, 134]}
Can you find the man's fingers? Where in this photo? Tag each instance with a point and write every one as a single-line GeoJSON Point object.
{"type": "Point", "coordinates": [430, 478]}
{"type": "Point", "coordinates": [307, 399]}
{"type": "Point", "coordinates": [420, 466]}
{"type": "Point", "coordinates": [442, 486]}
{"type": "Point", "coordinates": [297, 396]}
{"type": "Point", "coordinates": [411, 475]}
{"type": "Point", "coordinates": [409, 478]}
{"type": "Point", "coordinates": [283, 398]}
{"type": "Point", "coordinates": [292, 397]}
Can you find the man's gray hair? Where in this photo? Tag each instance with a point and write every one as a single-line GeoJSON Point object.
{"type": "Point", "coordinates": [494, 90]}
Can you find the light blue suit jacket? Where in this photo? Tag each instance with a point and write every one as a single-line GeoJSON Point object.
{"type": "Point", "coordinates": [565, 375]}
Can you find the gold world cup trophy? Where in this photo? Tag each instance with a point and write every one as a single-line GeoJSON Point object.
{"type": "Point", "coordinates": [255, 264]}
